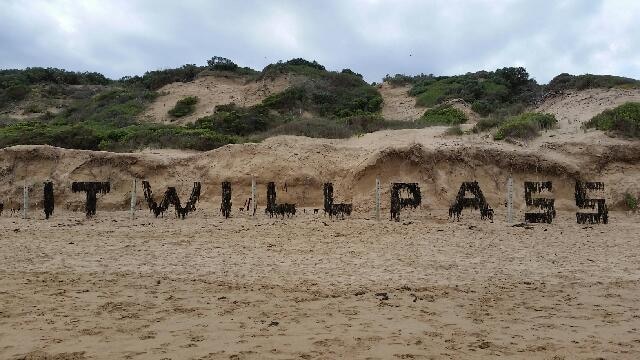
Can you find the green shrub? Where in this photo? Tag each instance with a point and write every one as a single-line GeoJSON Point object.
{"type": "Point", "coordinates": [17, 92]}
{"type": "Point", "coordinates": [234, 120]}
{"type": "Point", "coordinates": [624, 119]}
{"type": "Point", "coordinates": [303, 62]}
{"type": "Point", "coordinates": [315, 128]}
{"type": "Point", "coordinates": [38, 75]}
{"type": "Point", "coordinates": [402, 79]}
{"type": "Point", "coordinates": [482, 107]}
{"type": "Point", "coordinates": [335, 128]}
{"type": "Point", "coordinates": [588, 81]}
{"type": "Point", "coordinates": [297, 66]}
{"type": "Point", "coordinates": [525, 126]}
{"type": "Point", "coordinates": [221, 63]}
{"type": "Point", "coordinates": [350, 72]}
{"type": "Point", "coordinates": [108, 121]}
{"type": "Point", "coordinates": [443, 115]}
{"type": "Point", "coordinates": [36, 133]}
{"type": "Point", "coordinates": [432, 94]}
{"type": "Point", "coordinates": [92, 137]}
{"type": "Point", "coordinates": [165, 136]}
{"type": "Point", "coordinates": [631, 202]}
{"type": "Point", "coordinates": [154, 80]}
{"type": "Point", "coordinates": [328, 94]}
{"type": "Point", "coordinates": [487, 91]}
{"type": "Point", "coordinates": [184, 107]}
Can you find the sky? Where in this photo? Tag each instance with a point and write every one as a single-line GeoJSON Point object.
{"type": "Point", "coordinates": [371, 37]}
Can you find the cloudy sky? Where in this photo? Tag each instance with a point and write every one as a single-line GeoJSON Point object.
{"type": "Point", "coordinates": [373, 37]}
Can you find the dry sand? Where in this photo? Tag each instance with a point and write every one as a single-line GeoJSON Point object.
{"type": "Point", "coordinates": [398, 104]}
{"type": "Point", "coordinates": [573, 108]}
{"type": "Point", "coordinates": [312, 288]}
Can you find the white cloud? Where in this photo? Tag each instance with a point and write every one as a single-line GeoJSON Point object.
{"type": "Point", "coordinates": [374, 37]}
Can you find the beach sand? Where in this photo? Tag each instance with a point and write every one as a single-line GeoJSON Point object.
{"type": "Point", "coordinates": [315, 288]}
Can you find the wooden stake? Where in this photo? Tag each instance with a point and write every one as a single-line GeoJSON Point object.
{"type": "Point", "coordinates": [253, 196]}
{"type": "Point", "coordinates": [510, 200]}
{"type": "Point", "coordinates": [378, 199]}
{"type": "Point", "coordinates": [132, 208]}
{"type": "Point", "coordinates": [25, 200]}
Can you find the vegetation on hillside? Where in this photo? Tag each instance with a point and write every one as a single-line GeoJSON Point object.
{"type": "Point", "coordinates": [102, 114]}
{"type": "Point", "coordinates": [335, 128]}
{"type": "Point", "coordinates": [525, 126]}
{"type": "Point", "coordinates": [631, 202]}
{"type": "Point", "coordinates": [588, 81]}
{"type": "Point", "coordinates": [184, 107]}
{"type": "Point", "coordinates": [341, 104]}
{"type": "Point", "coordinates": [154, 80]}
{"type": "Point", "coordinates": [443, 115]}
{"type": "Point", "coordinates": [402, 79]}
{"type": "Point", "coordinates": [507, 90]}
{"type": "Point", "coordinates": [15, 84]}
{"type": "Point", "coordinates": [296, 66]}
{"type": "Point", "coordinates": [624, 120]}
{"type": "Point", "coordinates": [109, 121]}
{"type": "Point", "coordinates": [333, 95]}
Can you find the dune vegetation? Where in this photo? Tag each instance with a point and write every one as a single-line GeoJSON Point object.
{"type": "Point", "coordinates": [525, 126]}
{"type": "Point", "coordinates": [623, 120]}
{"type": "Point", "coordinates": [89, 111]}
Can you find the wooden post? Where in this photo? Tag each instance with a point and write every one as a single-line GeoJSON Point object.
{"type": "Point", "coordinates": [253, 196]}
{"type": "Point", "coordinates": [25, 199]}
{"type": "Point", "coordinates": [378, 199]}
{"type": "Point", "coordinates": [132, 208]}
{"type": "Point", "coordinates": [510, 200]}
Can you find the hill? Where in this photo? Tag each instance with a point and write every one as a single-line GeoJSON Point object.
{"type": "Point", "coordinates": [205, 107]}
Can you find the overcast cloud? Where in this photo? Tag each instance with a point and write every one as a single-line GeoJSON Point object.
{"type": "Point", "coordinates": [373, 37]}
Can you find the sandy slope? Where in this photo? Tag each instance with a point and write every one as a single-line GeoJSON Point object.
{"type": "Point", "coordinates": [438, 163]}
{"type": "Point", "coordinates": [574, 108]}
{"type": "Point", "coordinates": [212, 91]}
{"type": "Point", "coordinates": [398, 104]}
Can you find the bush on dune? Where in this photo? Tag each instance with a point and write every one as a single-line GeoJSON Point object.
{"type": "Point", "coordinates": [631, 202]}
{"type": "Point", "coordinates": [154, 80]}
{"type": "Point", "coordinates": [335, 128]}
{"type": "Point", "coordinates": [525, 126]}
{"type": "Point", "coordinates": [488, 92]}
{"type": "Point", "coordinates": [235, 120]}
{"type": "Point", "coordinates": [109, 121]}
{"type": "Point", "coordinates": [624, 120]}
{"type": "Point", "coordinates": [402, 79]}
{"type": "Point", "coordinates": [16, 84]}
{"type": "Point", "coordinates": [184, 107]}
{"type": "Point", "coordinates": [589, 81]}
{"type": "Point", "coordinates": [443, 115]}
{"type": "Point", "coordinates": [323, 93]}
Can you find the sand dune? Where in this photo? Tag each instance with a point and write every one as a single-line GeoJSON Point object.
{"type": "Point", "coordinates": [398, 104]}
{"type": "Point", "coordinates": [574, 108]}
{"type": "Point", "coordinates": [439, 164]}
{"type": "Point", "coordinates": [212, 91]}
